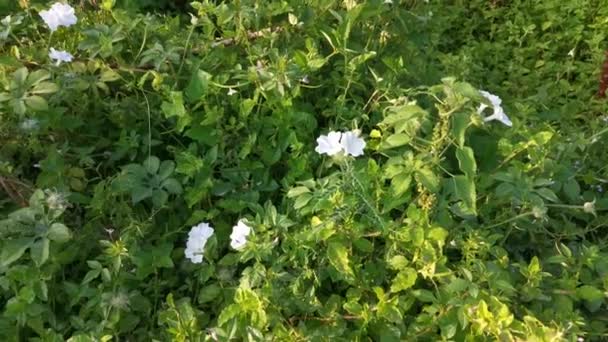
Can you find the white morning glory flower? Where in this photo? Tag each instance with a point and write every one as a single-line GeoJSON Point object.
{"type": "Point", "coordinates": [231, 92]}
{"type": "Point", "coordinates": [29, 124]}
{"type": "Point", "coordinates": [197, 238]}
{"type": "Point", "coordinates": [60, 56]}
{"type": "Point", "coordinates": [59, 15]}
{"type": "Point", "coordinates": [239, 235]}
{"type": "Point", "coordinates": [352, 143]}
{"type": "Point", "coordinates": [329, 144]}
{"type": "Point", "coordinates": [499, 113]}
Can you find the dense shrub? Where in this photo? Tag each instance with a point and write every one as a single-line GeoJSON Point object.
{"type": "Point", "coordinates": [154, 135]}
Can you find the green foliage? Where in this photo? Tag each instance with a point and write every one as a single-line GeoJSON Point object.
{"type": "Point", "coordinates": [449, 227]}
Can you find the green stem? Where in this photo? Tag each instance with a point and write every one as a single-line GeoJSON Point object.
{"type": "Point", "coordinates": [181, 65]}
{"type": "Point", "coordinates": [515, 218]}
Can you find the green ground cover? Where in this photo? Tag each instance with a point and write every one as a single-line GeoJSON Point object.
{"type": "Point", "coordinates": [292, 170]}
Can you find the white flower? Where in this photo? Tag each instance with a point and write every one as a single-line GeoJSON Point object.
{"type": "Point", "coordinates": [388, 2]}
{"type": "Point", "coordinates": [499, 113]}
{"type": "Point", "coordinates": [231, 92]}
{"type": "Point", "coordinates": [197, 238]}
{"type": "Point", "coordinates": [29, 124]}
{"type": "Point", "coordinates": [352, 143]}
{"type": "Point", "coordinates": [239, 235]}
{"type": "Point", "coordinates": [329, 144]}
{"type": "Point", "coordinates": [59, 15]}
{"type": "Point", "coordinates": [60, 56]}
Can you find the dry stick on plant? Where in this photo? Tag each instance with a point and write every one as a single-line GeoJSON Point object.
{"type": "Point", "coordinates": [17, 190]}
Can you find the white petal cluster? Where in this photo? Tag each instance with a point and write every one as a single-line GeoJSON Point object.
{"type": "Point", "coordinates": [197, 239]}
{"type": "Point", "coordinates": [60, 56]}
{"type": "Point", "coordinates": [59, 15]}
{"type": "Point", "coordinates": [499, 113]}
{"type": "Point", "coordinates": [239, 235]}
{"type": "Point", "coordinates": [335, 142]}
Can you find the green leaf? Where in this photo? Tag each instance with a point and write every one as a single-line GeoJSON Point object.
{"type": "Point", "coordinates": [159, 197]}
{"type": "Point", "coordinates": [13, 250]}
{"type": "Point", "coordinates": [338, 258]}
{"type": "Point", "coordinates": [405, 279]}
{"type": "Point", "coordinates": [589, 293]}
{"type": "Point", "coordinates": [58, 232]}
{"type": "Point", "coordinates": [39, 251]}
{"type": "Point", "coordinates": [209, 293]}
{"type": "Point", "coordinates": [464, 188]}
{"type": "Point", "coordinates": [172, 186]}
{"type": "Point", "coordinates": [401, 183]}
{"type": "Point", "coordinates": [198, 85]}
{"type": "Point", "coordinates": [428, 178]}
{"type": "Point", "coordinates": [572, 190]}
{"type": "Point", "coordinates": [547, 194]}
{"type": "Point", "coordinates": [36, 103]}
{"type": "Point", "coordinates": [140, 193]}
{"type": "Point", "coordinates": [151, 164]}
{"type": "Point", "coordinates": [92, 274]}
{"type": "Point", "coordinates": [460, 124]}
{"type": "Point", "coordinates": [45, 88]}
{"type": "Point", "coordinates": [166, 169]}
{"type": "Point", "coordinates": [176, 108]}
{"type": "Point", "coordinates": [396, 140]}
{"type": "Point", "coordinates": [457, 285]}
{"type": "Point", "coordinates": [466, 161]}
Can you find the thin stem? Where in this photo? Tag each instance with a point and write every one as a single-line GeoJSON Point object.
{"type": "Point", "coordinates": [515, 218]}
{"type": "Point", "coordinates": [181, 65]}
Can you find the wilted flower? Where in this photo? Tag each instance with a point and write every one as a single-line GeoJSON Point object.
{"type": "Point", "coordinates": [499, 113]}
{"type": "Point", "coordinates": [59, 15]}
{"type": "Point", "coordinates": [352, 143]}
{"type": "Point", "coordinates": [197, 238]}
{"type": "Point", "coordinates": [60, 56]}
{"type": "Point", "coordinates": [329, 144]}
{"type": "Point", "coordinates": [589, 207]}
{"type": "Point", "coordinates": [56, 200]}
{"type": "Point", "coordinates": [239, 235]}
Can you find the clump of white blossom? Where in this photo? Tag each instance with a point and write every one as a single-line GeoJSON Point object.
{"type": "Point", "coordinates": [239, 235]}
{"type": "Point", "coordinates": [29, 124]}
{"type": "Point", "coordinates": [197, 239]}
{"type": "Point", "coordinates": [59, 14]}
{"type": "Point", "coordinates": [499, 113]}
{"type": "Point", "coordinates": [336, 142]}
{"type": "Point", "coordinates": [60, 56]}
